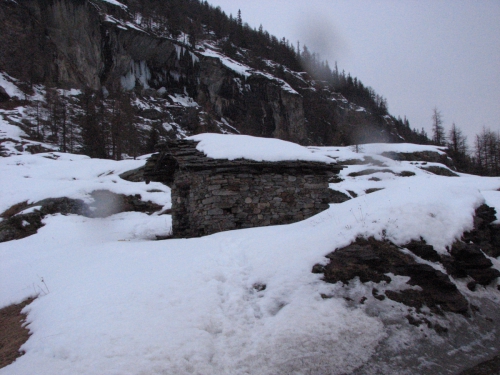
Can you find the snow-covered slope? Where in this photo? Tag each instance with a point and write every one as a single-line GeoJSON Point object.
{"type": "Point", "coordinates": [113, 301]}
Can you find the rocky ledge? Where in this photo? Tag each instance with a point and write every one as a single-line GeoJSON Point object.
{"type": "Point", "coordinates": [432, 276]}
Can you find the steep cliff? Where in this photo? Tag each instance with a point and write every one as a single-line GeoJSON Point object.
{"type": "Point", "coordinates": [101, 45]}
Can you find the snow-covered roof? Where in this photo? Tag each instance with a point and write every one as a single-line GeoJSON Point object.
{"type": "Point", "coordinates": [235, 153]}
{"type": "Point", "coordinates": [232, 146]}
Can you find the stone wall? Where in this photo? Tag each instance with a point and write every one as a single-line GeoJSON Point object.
{"type": "Point", "coordinates": [206, 202]}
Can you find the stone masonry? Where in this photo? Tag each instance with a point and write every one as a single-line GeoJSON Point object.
{"type": "Point", "coordinates": [210, 196]}
{"type": "Point", "coordinates": [205, 203]}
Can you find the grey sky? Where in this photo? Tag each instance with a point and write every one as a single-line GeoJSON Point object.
{"type": "Point", "coordinates": [417, 53]}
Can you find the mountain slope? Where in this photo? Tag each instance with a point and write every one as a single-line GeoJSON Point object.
{"type": "Point", "coordinates": [107, 46]}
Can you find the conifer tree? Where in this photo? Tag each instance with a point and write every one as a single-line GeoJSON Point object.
{"type": "Point", "coordinates": [438, 134]}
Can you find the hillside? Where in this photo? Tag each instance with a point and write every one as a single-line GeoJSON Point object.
{"type": "Point", "coordinates": [399, 274]}
{"type": "Point", "coordinates": [135, 77]}
{"type": "Point", "coordinates": [408, 297]}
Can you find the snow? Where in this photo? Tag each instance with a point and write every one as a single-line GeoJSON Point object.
{"type": "Point", "coordinates": [231, 146]}
{"type": "Point", "coordinates": [132, 26]}
{"type": "Point", "coordinates": [226, 123]}
{"type": "Point", "coordinates": [378, 148]}
{"type": "Point", "coordinates": [8, 83]}
{"type": "Point", "coordinates": [138, 73]}
{"type": "Point", "coordinates": [30, 210]}
{"type": "Point", "coordinates": [113, 301]}
{"type": "Point", "coordinates": [194, 58]}
{"type": "Point", "coordinates": [179, 51]}
{"type": "Point", "coordinates": [10, 131]}
{"type": "Point", "coordinates": [183, 100]}
{"type": "Point", "coordinates": [285, 86]}
{"type": "Point", "coordinates": [35, 177]}
{"type": "Point", "coordinates": [245, 70]}
{"type": "Point", "coordinates": [114, 2]}
{"type": "Point", "coordinates": [241, 69]}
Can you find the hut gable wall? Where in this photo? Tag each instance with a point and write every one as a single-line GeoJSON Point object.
{"type": "Point", "coordinates": [204, 202]}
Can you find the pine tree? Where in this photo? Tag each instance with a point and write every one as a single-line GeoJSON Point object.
{"type": "Point", "coordinates": [93, 137]}
{"type": "Point", "coordinates": [457, 142]}
{"type": "Point", "coordinates": [458, 149]}
{"type": "Point", "coordinates": [192, 35]}
{"type": "Point", "coordinates": [438, 135]}
{"type": "Point", "coordinates": [239, 20]}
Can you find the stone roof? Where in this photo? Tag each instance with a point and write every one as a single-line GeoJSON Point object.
{"type": "Point", "coordinates": [182, 154]}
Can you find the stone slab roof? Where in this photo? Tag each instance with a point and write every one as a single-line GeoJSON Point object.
{"type": "Point", "coordinates": [183, 155]}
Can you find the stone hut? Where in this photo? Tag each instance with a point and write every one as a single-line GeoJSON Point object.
{"type": "Point", "coordinates": [212, 194]}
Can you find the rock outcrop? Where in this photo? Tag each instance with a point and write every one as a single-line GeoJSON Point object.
{"type": "Point", "coordinates": [3, 95]}
{"type": "Point", "coordinates": [96, 44]}
{"type": "Point", "coordinates": [23, 219]}
{"type": "Point", "coordinates": [371, 260]}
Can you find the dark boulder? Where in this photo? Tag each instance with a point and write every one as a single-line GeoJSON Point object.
{"type": "Point", "coordinates": [440, 171]}
{"type": "Point", "coordinates": [468, 260]}
{"type": "Point", "coordinates": [485, 234]}
{"type": "Point", "coordinates": [4, 97]}
{"type": "Point", "coordinates": [372, 260]}
{"type": "Point", "coordinates": [337, 197]}
{"type": "Point", "coordinates": [134, 175]}
{"type": "Point", "coordinates": [424, 251]}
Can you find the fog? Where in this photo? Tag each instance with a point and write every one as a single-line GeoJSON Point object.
{"type": "Point", "coordinates": [417, 54]}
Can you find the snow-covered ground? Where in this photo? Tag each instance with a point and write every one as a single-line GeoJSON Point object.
{"type": "Point", "coordinates": [113, 301]}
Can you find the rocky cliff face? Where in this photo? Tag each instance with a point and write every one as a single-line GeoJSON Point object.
{"type": "Point", "coordinates": [97, 44]}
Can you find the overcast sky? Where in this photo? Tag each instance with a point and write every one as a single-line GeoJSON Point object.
{"type": "Point", "coordinates": [419, 54]}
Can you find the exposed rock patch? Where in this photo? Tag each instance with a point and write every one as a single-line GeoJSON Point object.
{"type": "Point", "coordinates": [337, 197]}
{"type": "Point", "coordinates": [366, 160]}
{"type": "Point", "coordinates": [376, 261]}
{"type": "Point", "coordinates": [468, 260]}
{"type": "Point", "coordinates": [424, 251]}
{"type": "Point", "coordinates": [17, 225]}
{"type": "Point", "coordinates": [36, 149]}
{"type": "Point", "coordinates": [367, 172]}
{"type": "Point", "coordinates": [13, 333]}
{"type": "Point", "coordinates": [489, 367]}
{"type": "Point", "coordinates": [440, 171]}
{"type": "Point", "coordinates": [427, 156]}
{"type": "Point", "coordinates": [23, 219]}
{"type": "Point", "coordinates": [372, 260]}
{"type": "Point", "coordinates": [406, 174]}
{"type": "Point", "coordinates": [485, 233]}
{"type": "Point", "coordinates": [3, 95]}
{"type": "Point", "coordinates": [134, 175]}
{"type": "Point", "coordinates": [372, 190]}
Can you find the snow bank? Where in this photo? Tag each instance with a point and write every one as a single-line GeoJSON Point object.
{"type": "Point", "coordinates": [232, 146]}
{"type": "Point", "coordinates": [7, 82]}
{"type": "Point", "coordinates": [378, 148]}
{"type": "Point", "coordinates": [111, 301]}
{"type": "Point", "coordinates": [10, 131]}
{"type": "Point", "coordinates": [53, 175]}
